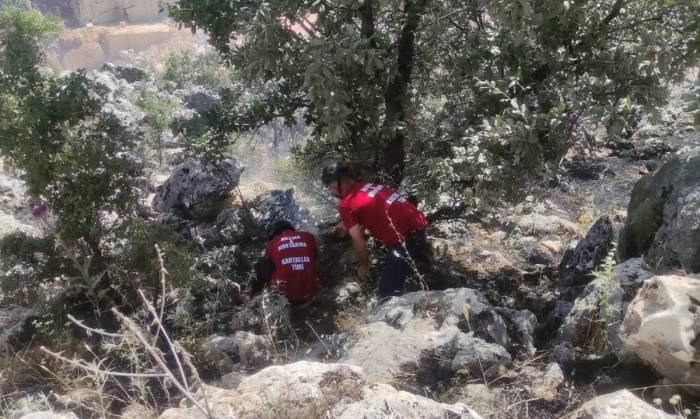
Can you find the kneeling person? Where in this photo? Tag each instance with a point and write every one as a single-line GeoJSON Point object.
{"type": "Point", "coordinates": [290, 265]}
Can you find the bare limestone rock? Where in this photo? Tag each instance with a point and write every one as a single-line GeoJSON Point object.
{"type": "Point", "coordinates": [198, 98]}
{"type": "Point", "coordinates": [45, 414]}
{"type": "Point", "coordinates": [309, 389]}
{"type": "Point", "coordinates": [252, 349]}
{"type": "Point", "coordinates": [662, 327]}
{"type": "Point", "coordinates": [629, 276]}
{"type": "Point", "coordinates": [280, 205]}
{"type": "Point", "coordinates": [267, 313]}
{"type": "Point", "coordinates": [578, 264]}
{"type": "Point", "coordinates": [476, 354]}
{"type": "Point", "coordinates": [14, 208]}
{"type": "Point", "coordinates": [194, 189]}
{"type": "Point", "coordinates": [15, 325]}
{"type": "Point", "coordinates": [662, 217]}
{"type": "Point", "coordinates": [546, 386]}
{"type": "Point", "coordinates": [619, 405]}
{"type": "Point", "coordinates": [458, 324]}
{"type": "Point", "coordinates": [126, 72]}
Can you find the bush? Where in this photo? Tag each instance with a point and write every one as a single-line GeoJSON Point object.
{"type": "Point", "coordinates": [134, 251]}
{"type": "Point", "coordinates": [73, 155]}
{"type": "Point", "coordinates": [185, 70]}
{"type": "Point", "coordinates": [159, 116]}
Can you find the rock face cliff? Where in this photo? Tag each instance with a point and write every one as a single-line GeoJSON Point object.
{"type": "Point", "coordinates": [103, 12]}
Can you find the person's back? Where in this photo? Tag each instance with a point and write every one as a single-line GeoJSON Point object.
{"type": "Point", "coordinates": [293, 254]}
{"type": "Point", "coordinates": [387, 215]}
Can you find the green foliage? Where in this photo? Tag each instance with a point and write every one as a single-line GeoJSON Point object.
{"type": "Point", "coordinates": [159, 113]}
{"type": "Point", "coordinates": [20, 34]}
{"type": "Point", "coordinates": [483, 94]}
{"type": "Point", "coordinates": [70, 151]}
{"type": "Point", "coordinates": [184, 70]}
{"type": "Point", "coordinates": [523, 87]}
{"type": "Point", "coordinates": [135, 252]}
{"type": "Point", "coordinates": [605, 310]}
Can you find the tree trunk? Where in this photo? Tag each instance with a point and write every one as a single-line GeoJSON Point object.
{"type": "Point", "coordinates": [395, 95]}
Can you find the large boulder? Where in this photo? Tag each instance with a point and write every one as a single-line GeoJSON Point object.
{"type": "Point", "coordinates": [309, 389]}
{"type": "Point", "coordinates": [274, 205]}
{"type": "Point", "coordinates": [195, 190]}
{"type": "Point", "coordinates": [15, 325]}
{"type": "Point", "coordinates": [584, 329]}
{"type": "Point", "coordinates": [662, 327]}
{"type": "Point", "coordinates": [629, 276]}
{"type": "Point", "coordinates": [198, 98]}
{"type": "Point", "coordinates": [620, 405]}
{"type": "Point", "coordinates": [457, 326]}
{"type": "Point", "coordinates": [578, 263]}
{"type": "Point", "coordinates": [662, 217]}
{"type": "Point", "coordinates": [126, 72]}
{"type": "Point", "coordinates": [235, 225]}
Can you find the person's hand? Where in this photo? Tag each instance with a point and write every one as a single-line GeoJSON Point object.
{"type": "Point", "coordinates": [362, 273]}
{"type": "Point", "coordinates": [339, 230]}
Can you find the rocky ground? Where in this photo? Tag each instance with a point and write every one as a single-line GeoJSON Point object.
{"type": "Point", "coordinates": [569, 303]}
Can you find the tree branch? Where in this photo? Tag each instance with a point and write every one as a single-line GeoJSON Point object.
{"type": "Point", "coordinates": [367, 22]}
{"type": "Point", "coordinates": [614, 12]}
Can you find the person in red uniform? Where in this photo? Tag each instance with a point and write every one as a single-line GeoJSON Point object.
{"type": "Point", "coordinates": [290, 265]}
{"type": "Point", "coordinates": [388, 216]}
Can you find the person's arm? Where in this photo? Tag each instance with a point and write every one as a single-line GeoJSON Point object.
{"type": "Point", "coordinates": [360, 246]}
{"type": "Point", "coordinates": [263, 272]}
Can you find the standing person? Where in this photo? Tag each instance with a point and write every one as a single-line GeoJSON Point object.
{"type": "Point", "coordinates": [389, 218]}
{"type": "Point", "coordinates": [290, 265]}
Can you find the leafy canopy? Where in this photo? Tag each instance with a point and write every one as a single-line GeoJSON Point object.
{"type": "Point", "coordinates": [504, 86]}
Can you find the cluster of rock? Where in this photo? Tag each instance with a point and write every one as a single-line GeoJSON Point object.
{"type": "Point", "coordinates": [662, 324]}
{"type": "Point", "coordinates": [311, 389]}
{"type": "Point", "coordinates": [648, 306]}
{"type": "Point", "coordinates": [434, 335]}
{"type": "Point", "coordinates": [408, 343]}
{"type": "Point", "coordinates": [200, 198]}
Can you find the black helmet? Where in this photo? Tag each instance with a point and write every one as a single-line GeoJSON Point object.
{"type": "Point", "coordinates": [278, 227]}
{"type": "Point", "coordinates": [334, 172]}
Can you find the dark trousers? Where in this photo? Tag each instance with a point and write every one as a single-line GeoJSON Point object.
{"type": "Point", "coordinates": [401, 261]}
